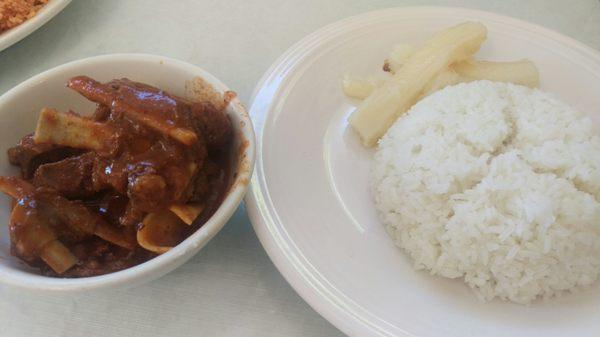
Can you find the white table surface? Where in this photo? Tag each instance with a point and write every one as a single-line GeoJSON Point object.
{"type": "Point", "coordinates": [230, 288]}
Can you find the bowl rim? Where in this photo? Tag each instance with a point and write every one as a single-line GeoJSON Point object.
{"type": "Point", "coordinates": [164, 263]}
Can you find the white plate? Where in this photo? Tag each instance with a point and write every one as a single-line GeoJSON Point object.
{"type": "Point", "coordinates": [310, 202]}
{"type": "Point", "coordinates": [17, 33]}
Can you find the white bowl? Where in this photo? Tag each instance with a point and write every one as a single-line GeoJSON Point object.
{"type": "Point", "coordinates": [19, 110]}
{"type": "Point", "coordinates": [19, 32]}
{"type": "Point", "coordinates": [310, 200]}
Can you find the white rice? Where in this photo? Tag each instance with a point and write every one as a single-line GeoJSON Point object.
{"type": "Point", "coordinates": [496, 184]}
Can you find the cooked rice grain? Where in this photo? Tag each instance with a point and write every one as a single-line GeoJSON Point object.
{"type": "Point", "coordinates": [496, 184]}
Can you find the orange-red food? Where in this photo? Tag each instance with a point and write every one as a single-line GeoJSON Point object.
{"type": "Point", "coordinates": [15, 12]}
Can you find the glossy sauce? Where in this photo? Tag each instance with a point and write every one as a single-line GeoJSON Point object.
{"type": "Point", "coordinates": [144, 167]}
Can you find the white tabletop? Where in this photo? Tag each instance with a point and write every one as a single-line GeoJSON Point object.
{"type": "Point", "coordinates": [230, 288]}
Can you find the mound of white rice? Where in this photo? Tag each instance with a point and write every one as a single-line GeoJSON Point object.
{"type": "Point", "coordinates": [497, 184]}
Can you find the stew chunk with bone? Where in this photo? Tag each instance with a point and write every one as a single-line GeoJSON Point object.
{"type": "Point", "coordinates": [103, 193]}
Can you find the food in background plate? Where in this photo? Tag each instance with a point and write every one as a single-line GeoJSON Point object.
{"type": "Point", "coordinates": [100, 194]}
{"type": "Point", "coordinates": [496, 184]}
{"type": "Point", "coordinates": [445, 59]}
{"type": "Point", "coordinates": [15, 12]}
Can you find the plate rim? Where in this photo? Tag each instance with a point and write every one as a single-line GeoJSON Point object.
{"type": "Point", "coordinates": [312, 291]}
{"type": "Point", "coordinates": [16, 34]}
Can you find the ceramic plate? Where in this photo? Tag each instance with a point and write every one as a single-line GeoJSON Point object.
{"type": "Point", "coordinates": [310, 201]}
{"type": "Point", "coordinates": [15, 35]}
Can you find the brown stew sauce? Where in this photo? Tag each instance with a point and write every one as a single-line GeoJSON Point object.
{"type": "Point", "coordinates": [144, 166]}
